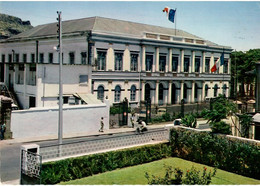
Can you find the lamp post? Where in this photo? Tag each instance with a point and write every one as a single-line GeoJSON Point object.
{"type": "Point", "coordinates": [59, 49]}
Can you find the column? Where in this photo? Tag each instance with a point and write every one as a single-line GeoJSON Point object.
{"type": "Point", "coordinates": [110, 95]}
{"type": "Point", "coordinates": [126, 60]}
{"type": "Point", "coordinates": [229, 66]}
{"type": "Point", "coordinates": [211, 63]}
{"type": "Point", "coordinates": [182, 61]}
{"type": "Point", "coordinates": [156, 69]}
{"type": "Point", "coordinates": [143, 91]}
{"type": "Point", "coordinates": [126, 90]}
{"type": "Point", "coordinates": [203, 91]}
{"type": "Point", "coordinates": [192, 91]}
{"type": "Point", "coordinates": [143, 58]}
{"type": "Point", "coordinates": [181, 94]}
{"type": "Point", "coordinates": [169, 101]}
{"type": "Point", "coordinates": [110, 59]}
{"type": "Point", "coordinates": [169, 61]}
{"type": "Point", "coordinates": [156, 93]}
{"type": "Point", "coordinates": [26, 68]}
{"type": "Point", "coordinates": [192, 69]}
{"type": "Point", "coordinates": [203, 62]}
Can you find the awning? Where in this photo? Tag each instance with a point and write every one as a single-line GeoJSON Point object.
{"type": "Point", "coordinates": [88, 98]}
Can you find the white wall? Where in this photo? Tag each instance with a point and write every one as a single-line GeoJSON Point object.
{"type": "Point", "coordinates": [40, 122]}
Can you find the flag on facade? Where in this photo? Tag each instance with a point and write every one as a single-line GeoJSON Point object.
{"type": "Point", "coordinates": [170, 13]}
{"type": "Point", "coordinates": [219, 63]}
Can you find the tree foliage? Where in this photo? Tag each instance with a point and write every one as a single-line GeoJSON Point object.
{"type": "Point", "coordinates": [243, 62]}
{"type": "Point", "coordinates": [189, 120]}
{"type": "Point", "coordinates": [221, 108]}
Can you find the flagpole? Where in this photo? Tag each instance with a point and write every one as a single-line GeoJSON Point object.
{"type": "Point", "coordinates": [175, 19]}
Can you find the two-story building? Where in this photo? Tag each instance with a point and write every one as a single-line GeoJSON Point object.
{"type": "Point", "coordinates": [114, 59]}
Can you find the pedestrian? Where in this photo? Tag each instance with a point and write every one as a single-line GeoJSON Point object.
{"type": "Point", "coordinates": [3, 128]}
{"type": "Point", "coordinates": [132, 120]}
{"type": "Point", "coordinates": [101, 125]}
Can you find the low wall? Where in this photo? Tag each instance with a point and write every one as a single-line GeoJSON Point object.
{"type": "Point", "coordinates": [77, 119]}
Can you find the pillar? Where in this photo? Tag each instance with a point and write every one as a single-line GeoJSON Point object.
{"type": "Point", "coordinates": [192, 91]}
{"type": "Point", "coordinates": [182, 61]}
{"type": "Point", "coordinates": [202, 66]}
{"type": "Point", "coordinates": [143, 90]}
{"type": "Point", "coordinates": [156, 69]}
{"type": "Point", "coordinates": [192, 66]}
{"type": "Point", "coordinates": [203, 91]}
{"type": "Point", "coordinates": [6, 111]}
{"type": "Point", "coordinates": [156, 93]}
{"type": "Point", "coordinates": [143, 58]}
{"type": "Point", "coordinates": [169, 60]}
{"type": "Point", "coordinates": [169, 101]}
{"type": "Point", "coordinates": [182, 89]}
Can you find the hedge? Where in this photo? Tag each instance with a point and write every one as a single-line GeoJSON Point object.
{"type": "Point", "coordinates": [75, 168]}
{"type": "Point", "coordinates": [235, 156]}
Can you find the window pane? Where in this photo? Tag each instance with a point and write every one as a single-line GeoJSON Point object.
{"type": "Point", "coordinates": [134, 62]}
{"type": "Point", "coordinates": [118, 61]}
{"type": "Point", "coordinates": [162, 63]}
{"type": "Point", "coordinates": [197, 64]}
{"type": "Point", "coordinates": [175, 60]}
{"type": "Point", "coordinates": [149, 62]}
{"type": "Point", "coordinates": [101, 60]}
{"type": "Point", "coordinates": [186, 64]}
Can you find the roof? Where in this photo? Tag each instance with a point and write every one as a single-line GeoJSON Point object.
{"type": "Point", "coordinates": [103, 25]}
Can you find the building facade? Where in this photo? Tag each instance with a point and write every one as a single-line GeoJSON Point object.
{"type": "Point", "coordinates": [114, 59]}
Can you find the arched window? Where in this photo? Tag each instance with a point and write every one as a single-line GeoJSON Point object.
{"type": "Point", "coordinates": [160, 94]}
{"type": "Point", "coordinates": [196, 91]}
{"type": "Point", "coordinates": [173, 93]}
{"type": "Point", "coordinates": [100, 93]}
{"type": "Point", "coordinates": [133, 93]}
{"type": "Point", "coordinates": [215, 90]}
{"type": "Point", "coordinates": [224, 89]}
{"type": "Point", "coordinates": [117, 93]}
{"type": "Point", "coordinates": [185, 91]}
{"type": "Point", "coordinates": [147, 91]}
{"type": "Point", "coordinates": [206, 90]}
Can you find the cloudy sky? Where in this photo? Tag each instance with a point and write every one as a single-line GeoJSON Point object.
{"type": "Point", "coordinates": [233, 23]}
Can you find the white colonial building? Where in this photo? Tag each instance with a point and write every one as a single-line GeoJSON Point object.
{"type": "Point", "coordinates": [114, 59]}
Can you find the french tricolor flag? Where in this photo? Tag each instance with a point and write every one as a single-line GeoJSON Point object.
{"type": "Point", "coordinates": [170, 13]}
{"type": "Point", "coordinates": [219, 63]}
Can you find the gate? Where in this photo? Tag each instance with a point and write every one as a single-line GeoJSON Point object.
{"type": "Point", "coordinates": [30, 168]}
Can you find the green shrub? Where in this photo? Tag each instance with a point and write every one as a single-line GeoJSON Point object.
{"type": "Point", "coordinates": [74, 168]}
{"type": "Point", "coordinates": [220, 127]}
{"type": "Point", "coordinates": [189, 120]}
{"type": "Point", "coordinates": [216, 150]}
{"type": "Point", "coordinates": [176, 177]}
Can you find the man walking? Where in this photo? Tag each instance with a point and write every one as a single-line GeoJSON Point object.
{"type": "Point", "coordinates": [3, 128]}
{"type": "Point", "coordinates": [101, 125]}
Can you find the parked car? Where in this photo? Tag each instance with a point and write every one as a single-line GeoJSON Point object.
{"type": "Point", "coordinates": [177, 122]}
{"type": "Point", "coordinates": [161, 111]}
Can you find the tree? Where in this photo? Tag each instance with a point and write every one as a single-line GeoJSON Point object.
{"type": "Point", "coordinates": [189, 120]}
{"type": "Point", "coordinates": [243, 62]}
{"type": "Point", "coordinates": [221, 108]}
{"type": "Point", "coordinates": [245, 121]}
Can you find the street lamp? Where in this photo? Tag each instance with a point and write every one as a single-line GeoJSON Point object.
{"type": "Point", "coordinates": [59, 49]}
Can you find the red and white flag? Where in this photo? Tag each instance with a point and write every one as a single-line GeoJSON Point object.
{"type": "Point", "coordinates": [216, 66]}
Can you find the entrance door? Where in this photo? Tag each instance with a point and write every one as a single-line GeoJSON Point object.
{"type": "Point", "coordinates": [173, 94]}
{"type": "Point", "coordinates": [2, 72]}
{"type": "Point", "coordinates": [147, 91]}
{"type": "Point", "coordinates": [32, 102]}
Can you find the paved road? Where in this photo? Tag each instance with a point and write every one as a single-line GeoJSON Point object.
{"type": "Point", "coordinates": [10, 152]}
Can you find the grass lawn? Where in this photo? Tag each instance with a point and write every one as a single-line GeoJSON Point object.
{"type": "Point", "coordinates": [136, 175]}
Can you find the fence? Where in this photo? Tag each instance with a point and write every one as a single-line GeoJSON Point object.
{"type": "Point", "coordinates": [30, 168]}
{"type": "Point", "coordinates": [89, 146]}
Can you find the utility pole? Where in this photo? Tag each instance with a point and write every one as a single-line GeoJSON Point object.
{"type": "Point", "coordinates": [59, 49]}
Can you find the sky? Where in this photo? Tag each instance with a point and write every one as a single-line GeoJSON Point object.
{"type": "Point", "coordinates": [229, 23]}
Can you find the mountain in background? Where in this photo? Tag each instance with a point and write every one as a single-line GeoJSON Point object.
{"type": "Point", "coordinates": [10, 25]}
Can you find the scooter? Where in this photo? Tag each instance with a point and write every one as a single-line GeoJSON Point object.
{"type": "Point", "coordinates": [140, 130]}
